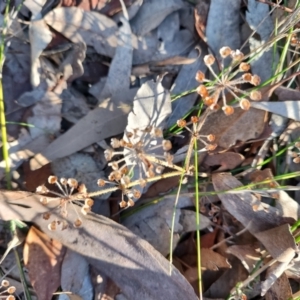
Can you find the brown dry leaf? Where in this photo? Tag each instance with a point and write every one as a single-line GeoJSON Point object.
{"type": "Point", "coordinates": [108, 119]}
{"type": "Point", "coordinates": [246, 254]}
{"type": "Point", "coordinates": [122, 254]}
{"type": "Point", "coordinates": [43, 257]}
{"type": "Point", "coordinates": [226, 161]}
{"type": "Point", "coordinates": [281, 289]}
{"type": "Point", "coordinates": [240, 126]}
{"type": "Point", "coordinates": [201, 12]}
{"type": "Point", "coordinates": [89, 27]}
{"type": "Point", "coordinates": [264, 222]}
{"type": "Point", "coordinates": [213, 261]}
{"type": "Point", "coordinates": [152, 13]}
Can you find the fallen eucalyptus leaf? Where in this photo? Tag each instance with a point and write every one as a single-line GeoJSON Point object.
{"type": "Point", "coordinates": [120, 255]}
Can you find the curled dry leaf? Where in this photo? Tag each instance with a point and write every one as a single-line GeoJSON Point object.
{"type": "Point", "coordinates": [43, 257]}
{"type": "Point", "coordinates": [225, 161]}
{"type": "Point", "coordinates": [263, 221]}
{"type": "Point", "coordinates": [92, 28]}
{"type": "Point", "coordinates": [121, 254]}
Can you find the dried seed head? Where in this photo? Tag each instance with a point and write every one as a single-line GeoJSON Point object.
{"type": "Point", "coordinates": [255, 95]}
{"type": "Point", "coordinates": [209, 101]}
{"type": "Point", "coordinates": [157, 132]}
{"type": "Point", "coordinates": [247, 77]}
{"type": "Point", "coordinates": [44, 200]}
{"type": "Point", "coordinates": [5, 283]}
{"type": "Point", "coordinates": [166, 145]}
{"type": "Point", "coordinates": [130, 203]}
{"type": "Point", "coordinates": [195, 119]}
{"type": "Point", "coordinates": [245, 104]}
{"type": "Point", "coordinates": [136, 194]}
{"type": "Point", "coordinates": [214, 106]}
{"type": "Point", "coordinates": [73, 183]}
{"type": "Point", "coordinates": [202, 91]}
{"type": "Point", "coordinates": [42, 189]}
{"type": "Point", "coordinates": [228, 110]}
{"type": "Point", "coordinates": [52, 226]}
{"type": "Point", "coordinates": [296, 160]}
{"type": "Point", "coordinates": [123, 204]}
{"type": "Point", "coordinates": [129, 134]}
{"type": "Point", "coordinates": [114, 165]}
{"type": "Point", "coordinates": [150, 173]}
{"type": "Point", "coordinates": [11, 290]}
{"type": "Point", "coordinates": [89, 202]}
{"type": "Point", "coordinates": [169, 158]}
{"type": "Point", "coordinates": [142, 182]}
{"type": "Point", "coordinates": [225, 51]}
{"type": "Point", "coordinates": [46, 216]}
{"type": "Point", "coordinates": [115, 143]}
{"type": "Point", "coordinates": [294, 154]}
{"type": "Point", "coordinates": [125, 180]}
{"type": "Point", "coordinates": [108, 154]}
{"type": "Point", "coordinates": [200, 76]}
{"type": "Point", "coordinates": [297, 145]}
{"type": "Point", "coordinates": [63, 181]}
{"type": "Point", "coordinates": [159, 169]}
{"type": "Point", "coordinates": [85, 209]}
{"type": "Point", "coordinates": [209, 59]}
{"type": "Point", "coordinates": [101, 182]}
{"type": "Point", "coordinates": [82, 189]}
{"type": "Point", "coordinates": [77, 223]}
{"type": "Point", "coordinates": [52, 179]}
{"type": "Point", "coordinates": [237, 55]}
{"type": "Point", "coordinates": [10, 297]}
{"type": "Point", "coordinates": [211, 147]}
{"type": "Point", "coordinates": [181, 123]}
{"type": "Point", "coordinates": [255, 80]}
{"type": "Point", "coordinates": [244, 67]}
{"type": "Point", "coordinates": [124, 170]}
{"type": "Point", "coordinates": [211, 137]}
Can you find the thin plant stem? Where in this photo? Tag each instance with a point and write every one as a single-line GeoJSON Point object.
{"type": "Point", "coordinates": [2, 106]}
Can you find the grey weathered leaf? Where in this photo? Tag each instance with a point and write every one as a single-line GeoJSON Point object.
{"type": "Point", "coordinates": [185, 82]}
{"type": "Point", "coordinates": [260, 21]}
{"type": "Point", "coordinates": [92, 28]}
{"type": "Point", "coordinates": [288, 109]}
{"type": "Point", "coordinates": [223, 20]}
{"type": "Point", "coordinates": [40, 36]}
{"type": "Point", "coordinates": [120, 255]}
{"type": "Point", "coordinates": [152, 13]}
{"type": "Point", "coordinates": [153, 223]}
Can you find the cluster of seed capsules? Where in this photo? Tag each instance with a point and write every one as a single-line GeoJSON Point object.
{"type": "Point", "coordinates": [296, 154]}
{"type": "Point", "coordinates": [7, 290]}
{"type": "Point", "coordinates": [228, 82]}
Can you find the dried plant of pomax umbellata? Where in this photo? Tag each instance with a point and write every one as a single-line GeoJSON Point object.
{"type": "Point", "coordinates": [65, 199]}
{"type": "Point", "coordinates": [227, 82]}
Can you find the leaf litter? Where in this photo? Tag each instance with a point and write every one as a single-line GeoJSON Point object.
{"type": "Point", "coordinates": [112, 103]}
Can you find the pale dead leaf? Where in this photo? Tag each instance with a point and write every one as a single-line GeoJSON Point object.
{"type": "Point", "coordinates": [226, 161]}
{"type": "Point", "coordinates": [223, 20]}
{"type": "Point", "coordinates": [46, 115]}
{"type": "Point", "coordinates": [43, 257]}
{"type": "Point", "coordinates": [153, 223]}
{"type": "Point", "coordinates": [137, 260]}
{"type": "Point", "coordinates": [75, 276]}
{"type": "Point", "coordinates": [152, 13]}
{"type": "Point", "coordinates": [288, 109]}
{"type": "Point", "coordinates": [246, 254]}
{"type": "Point", "coordinates": [213, 261]}
{"type": "Point", "coordinates": [118, 80]}
{"type": "Point", "coordinates": [91, 28]}
{"type": "Point", "coordinates": [40, 36]}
